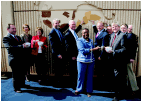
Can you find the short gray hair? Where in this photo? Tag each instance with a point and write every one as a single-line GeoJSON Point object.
{"type": "Point", "coordinates": [56, 19]}
{"type": "Point", "coordinates": [71, 21]}
{"type": "Point", "coordinates": [115, 23]}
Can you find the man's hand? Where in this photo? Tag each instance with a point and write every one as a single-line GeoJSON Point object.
{"type": "Point", "coordinates": [93, 22]}
{"type": "Point", "coordinates": [73, 58]}
{"type": "Point", "coordinates": [131, 60]}
{"type": "Point", "coordinates": [60, 56]}
{"type": "Point", "coordinates": [99, 58]}
{"type": "Point", "coordinates": [96, 48]}
{"type": "Point", "coordinates": [82, 21]}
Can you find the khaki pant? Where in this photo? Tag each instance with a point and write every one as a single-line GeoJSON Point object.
{"type": "Point", "coordinates": [131, 77]}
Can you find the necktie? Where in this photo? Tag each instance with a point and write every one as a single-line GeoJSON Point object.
{"type": "Point", "coordinates": [60, 35]}
{"type": "Point", "coordinates": [16, 38]}
{"type": "Point", "coordinates": [113, 40]}
{"type": "Point", "coordinates": [97, 34]}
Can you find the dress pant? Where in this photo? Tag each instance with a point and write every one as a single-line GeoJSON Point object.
{"type": "Point", "coordinates": [85, 77]}
{"type": "Point", "coordinates": [27, 60]}
{"type": "Point", "coordinates": [59, 67]}
{"type": "Point", "coordinates": [72, 68]}
{"type": "Point", "coordinates": [18, 74]}
{"type": "Point", "coordinates": [100, 69]}
{"type": "Point", "coordinates": [120, 73]}
{"type": "Point", "coordinates": [41, 66]}
{"type": "Point", "coordinates": [132, 78]}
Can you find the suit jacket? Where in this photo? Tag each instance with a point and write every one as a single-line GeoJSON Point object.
{"type": "Point", "coordinates": [14, 48]}
{"type": "Point", "coordinates": [118, 56]}
{"type": "Point", "coordinates": [104, 55]}
{"type": "Point", "coordinates": [84, 54]}
{"type": "Point", "coordinates": [99, 39]}
{"type": "Point", "coordinates": [119, 47]}
{"type": "Point", "coordinates": [131, 46]}
{"type": "Point", "coordinates": [70, 42]}
{"type": "Point", "coordinates": [36, 46]}
{"type": "Point", "coordinates": [27, 51]}
{"type": "Point", "coordinates": [23, 38]}
{"type": "Point", "coordinates": [58, 46]}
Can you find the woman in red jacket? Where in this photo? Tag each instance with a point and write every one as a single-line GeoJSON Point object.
{"type": "Point", "coordinates": [39, 45]}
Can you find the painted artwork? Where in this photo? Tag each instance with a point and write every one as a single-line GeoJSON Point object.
{"type": "Point", "coordinates": [68, 10]}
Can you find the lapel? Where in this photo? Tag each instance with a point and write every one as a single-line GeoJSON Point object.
{"type": "Point", "coordinates": [101, 34]}
{"type": "Point", "coordinates": [11, 37]}
{"type": "Point", "coordinates": [111, 39]}
{"type": "Point", "coordinates": [118, 37]}
{"type": "Point", "coordinates": [71, 34]}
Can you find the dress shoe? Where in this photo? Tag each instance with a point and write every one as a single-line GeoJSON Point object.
{"type": "Point", "coordinates": [115, 99]}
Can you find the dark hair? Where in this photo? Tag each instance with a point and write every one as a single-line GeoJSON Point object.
{"type": "Point", "coordinates": [86, 29]}
{"type": "Point", "coordinates": [39, 28]}
{"type": "Point", "coordinates": [125, 25]}
{"type": "Point", "coordinates": [8, 27]}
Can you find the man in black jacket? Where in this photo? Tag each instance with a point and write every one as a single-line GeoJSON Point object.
{"type": "Point", "coordinates": [15, 46]}
{"type": "Point", "coordinates": [57, 41]}
{"type": "Point", "coordinates": [71, 49]}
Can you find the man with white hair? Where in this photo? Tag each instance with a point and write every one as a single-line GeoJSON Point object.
{"type": "Point", "coordinates": [71, 49]}
{"type": "Point", "coordinates": [56, 38]}
{"type": "Point", "coordinates": [131, 53]}
{"type": "Point", "coordinates": [118, 55]}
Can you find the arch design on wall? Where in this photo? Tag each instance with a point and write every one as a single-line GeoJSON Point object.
{"type": "Point", "coordinates": [91, 12]}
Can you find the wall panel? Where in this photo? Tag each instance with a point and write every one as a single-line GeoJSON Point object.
{"type": "Point", "coordinates": [120, 8]}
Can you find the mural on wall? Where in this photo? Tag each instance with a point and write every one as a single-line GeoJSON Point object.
{"type": "Point", "coordinates": [67, 10]}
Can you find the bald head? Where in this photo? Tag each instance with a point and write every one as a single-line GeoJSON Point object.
{"type": "Point", "coordinates": [130, 28]}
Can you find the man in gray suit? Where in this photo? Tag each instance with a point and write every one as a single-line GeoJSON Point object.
{"type": "Point", "coordinates": [117, 42]}
{"type": "Point", "coordinates": [15, 46]}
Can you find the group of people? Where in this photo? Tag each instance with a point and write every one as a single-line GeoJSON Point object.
{"type": "Point", "coordinates": [114, 52]}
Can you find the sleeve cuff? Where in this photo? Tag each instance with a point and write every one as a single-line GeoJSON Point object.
{"type": "Point", "coordinates": [93, 25]}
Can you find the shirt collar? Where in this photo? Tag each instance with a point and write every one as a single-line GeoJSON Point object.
{"type": "Point", "coordinates": [101, 31]}
{"type": "Point", "coordinates": [12, 35]}
{"type": "Point", "coordinates": [86, 40]}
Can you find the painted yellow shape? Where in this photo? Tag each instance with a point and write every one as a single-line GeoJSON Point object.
{"type": "Point", "coordinates": [87, 14]}
{"type": "Point", "coordinates": [94, 17]}
{"type": "Point", "coordinates": [78, 23]}
{"type": "Point", "coordinates": [85, 19]}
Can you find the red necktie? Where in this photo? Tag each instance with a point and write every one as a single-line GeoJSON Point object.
{"type": "Point", "coordinates": [113, 40]}
{"type": "Point", "coordinates": [16, 38]}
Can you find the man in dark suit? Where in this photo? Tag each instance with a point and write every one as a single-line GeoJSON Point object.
{"type": "Point", "coordinates": [118, 55]}
{"type": "Point", "coordinates": [71, 49]}
{"type": "Point", "coordinates": [15, 47]}
{"type": "Point", "coordinates": [131, 53]}
{"type": "Point", "coordinates": [56, 38]}
{"type": "Point", "coordinates": [100, 34]}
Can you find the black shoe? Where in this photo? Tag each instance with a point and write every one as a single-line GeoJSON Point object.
{"type": "Point", "coordinates": [115, 99]}
{"type": "Point", "coordinates": [76, 93]}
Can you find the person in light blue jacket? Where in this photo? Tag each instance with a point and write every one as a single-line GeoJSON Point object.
{"type": "Point", "coordinates": [85, 63]}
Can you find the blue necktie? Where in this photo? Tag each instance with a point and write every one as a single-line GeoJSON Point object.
{"type": "Point", "coordinates": [60, 35]}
